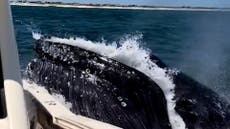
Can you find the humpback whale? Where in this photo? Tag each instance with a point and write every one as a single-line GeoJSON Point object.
{"type": "Point", "coordinates": [199, 106]}
{"type": "Point", "coordinates": [108, 90]}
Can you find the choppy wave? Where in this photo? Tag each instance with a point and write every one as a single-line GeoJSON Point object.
{"type": "Point", "coordinates": [130, 52]}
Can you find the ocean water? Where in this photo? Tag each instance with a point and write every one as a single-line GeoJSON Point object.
{"type": "Point", "coordinates": [195, 42]}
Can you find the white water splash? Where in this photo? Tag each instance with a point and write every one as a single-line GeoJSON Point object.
{"type": "Point", "coordinates": [131, 54]}
{"type": "Point", "coordinates": [60, 98]}
{"type": "Point", "coordinates": [36, 36]}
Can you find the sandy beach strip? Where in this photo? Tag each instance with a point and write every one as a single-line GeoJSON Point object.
{"type": "Point", "coordinates": [115, 7]}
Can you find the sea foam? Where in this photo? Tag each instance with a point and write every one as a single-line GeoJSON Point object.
{"type": "Point", "coordinates": [130, 53]}
{"type": "Point", "coordinates": [60, 98]}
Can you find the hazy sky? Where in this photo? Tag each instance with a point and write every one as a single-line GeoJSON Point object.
{"type": "Point", "coordinates": [206, 3]}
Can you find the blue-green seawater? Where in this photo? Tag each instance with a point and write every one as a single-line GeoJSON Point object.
{"type": "Point", "coordinates": [195, 42]}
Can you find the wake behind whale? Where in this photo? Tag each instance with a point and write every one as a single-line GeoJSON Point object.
{"type": "Point", "coordinates": [107, 89]}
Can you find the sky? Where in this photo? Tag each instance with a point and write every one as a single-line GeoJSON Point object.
{"type": "Point", "coordinates": [197, 3]}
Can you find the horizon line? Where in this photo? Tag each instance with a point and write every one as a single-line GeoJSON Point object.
{"type": "Point", "coordinates": [116, 5]}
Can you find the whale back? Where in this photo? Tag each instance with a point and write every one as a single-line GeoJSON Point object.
{"type": "Point", "coordinates": [105, 89]}
{"type": "Point", "coordinates": [99, 87]}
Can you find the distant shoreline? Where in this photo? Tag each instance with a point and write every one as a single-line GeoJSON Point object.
{"type": "Point", "coordinates": [92, 6]}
